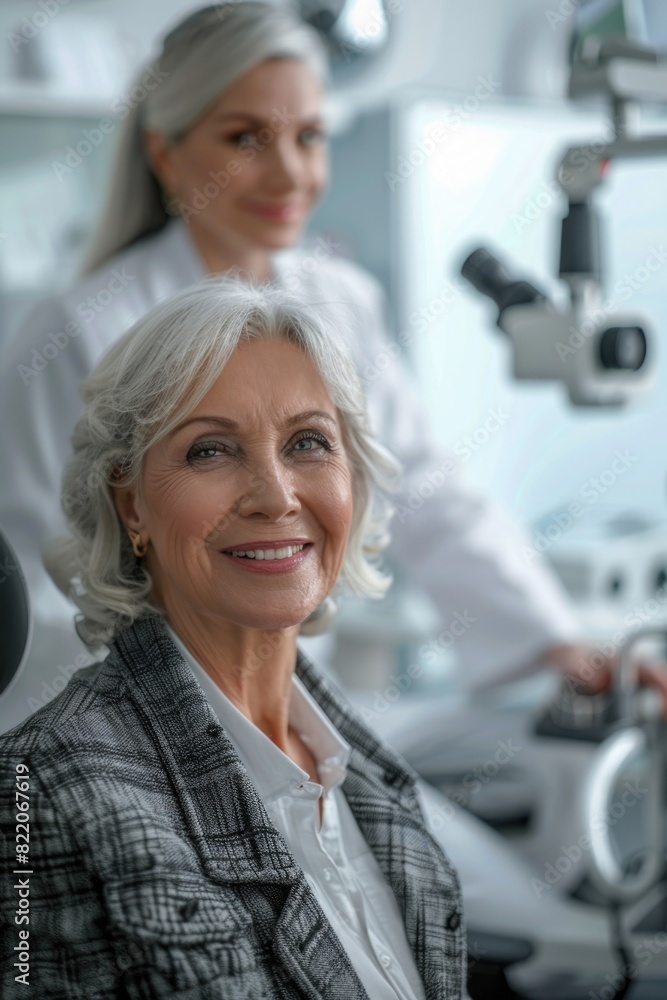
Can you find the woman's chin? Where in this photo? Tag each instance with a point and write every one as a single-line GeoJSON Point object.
{"type": "Point", "coordinates": [275, 236]}
{"type": "Point", "coordinates": [282, 240]}
{"type": "Point", "coordinates": [275, 622]}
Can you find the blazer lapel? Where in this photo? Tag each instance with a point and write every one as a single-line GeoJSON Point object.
{"type": "Point", "coordinates": [238, 843]}
{"type": "Point", "coordinates": [225, 816]}
{"type": "Point", "coordinates": [380, 790]}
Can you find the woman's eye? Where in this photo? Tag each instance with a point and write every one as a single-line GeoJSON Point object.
{"type": "Point", "coordinates": [242, 139]}
{"type": "Point", "coordinates": [206, 449]}
{"type": "Point", "coordinates": [311, 442]}
{"type": "Point", "coordinates": [311, 136]}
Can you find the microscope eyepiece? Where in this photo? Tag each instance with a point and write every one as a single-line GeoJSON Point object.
{"type": "Point", "coordinates": [490, 277]}
{"type": "Point", "coordinates": [545, 339]}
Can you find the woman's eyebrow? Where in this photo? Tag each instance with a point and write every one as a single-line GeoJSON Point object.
{"type": "Point", "coordinates": [246, 116]}
{"type": "Point", "coordinates": [308, 415]}
{"type": "Point", "coordinates": [232, 425]}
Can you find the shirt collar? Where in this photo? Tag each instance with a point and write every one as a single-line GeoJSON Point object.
{"type": "Point", "coordinates": [182, 252]}
{"type": "Point", "coordinates": [272, 772]}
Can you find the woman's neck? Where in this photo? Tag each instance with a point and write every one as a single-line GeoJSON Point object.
{"type": "Point", "coordinates": [218, 258]}
{"type": "Point", "coordinates": [252, 667]}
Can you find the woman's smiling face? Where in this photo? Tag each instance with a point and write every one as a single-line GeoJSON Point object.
{"type": "Point", "coordinates": [259, 466]}
{"type": "Point", "coordinates": [251, 169]}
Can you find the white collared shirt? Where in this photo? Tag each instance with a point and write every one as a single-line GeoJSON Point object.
{"type": "Point", "coordinates": [336, 859]}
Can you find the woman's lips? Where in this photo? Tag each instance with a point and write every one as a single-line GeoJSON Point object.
{"type": "Point", "coordinates": [270, 566]}
{"type": "Point", "coordinates": [277, 213]}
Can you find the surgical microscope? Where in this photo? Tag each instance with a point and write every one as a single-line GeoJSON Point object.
{"type": "Point", "coordinates": [601, 355]}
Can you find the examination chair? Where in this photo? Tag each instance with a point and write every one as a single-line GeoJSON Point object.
{"type": "Point", "coordinates": [15, 615]}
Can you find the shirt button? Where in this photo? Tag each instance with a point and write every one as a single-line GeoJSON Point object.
{"type": "Point", "coordinates": [453, 921]}
{"type": "Point", "coordinates": [386, 960]}
{"type": "Point", "coordinates": [328, 874]}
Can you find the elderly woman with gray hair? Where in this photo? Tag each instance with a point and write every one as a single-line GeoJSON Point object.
{"type": "Point", "coordinates": [209, 818]}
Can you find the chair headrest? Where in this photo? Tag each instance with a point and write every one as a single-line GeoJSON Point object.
{"type": "Point", "coordinates": [14, 614]}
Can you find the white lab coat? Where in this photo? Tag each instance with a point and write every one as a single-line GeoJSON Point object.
{"type": "Point", "coordinates": [461, 547]}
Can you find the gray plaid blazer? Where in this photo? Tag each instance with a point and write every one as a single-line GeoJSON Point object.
{"type": "Point", "coordinates": [156, 871]}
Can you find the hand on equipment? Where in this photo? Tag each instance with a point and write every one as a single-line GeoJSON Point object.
{"type": "Point", "coordinates": [594, 670]}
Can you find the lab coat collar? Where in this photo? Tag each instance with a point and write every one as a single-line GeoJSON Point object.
{"type": "Point", "coordinates": [181, 253]}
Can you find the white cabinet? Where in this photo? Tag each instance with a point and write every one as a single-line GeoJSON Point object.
{"type": "Point", "coordinates": [54, 166]}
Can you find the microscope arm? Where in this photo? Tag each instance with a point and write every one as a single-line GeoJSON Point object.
{"type": "Point", "coordinates": [582, 168]}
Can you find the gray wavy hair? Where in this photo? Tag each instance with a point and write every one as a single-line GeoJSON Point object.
{"type": "Point", "coordinates": [201, 56]}
{"type": "Point", "coordinates": [144, 386]}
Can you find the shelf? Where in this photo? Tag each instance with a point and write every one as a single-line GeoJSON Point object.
{"type": "Point", "coordinates": [42, 100]}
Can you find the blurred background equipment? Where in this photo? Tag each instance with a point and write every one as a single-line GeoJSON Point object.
{"type": "Point", "coordinates": [554, 819]}
{"type": "Point", "coordinates": [601, 359]}
{"type": "Point", "coordinates": [600, 364]}
{"type": "Point", "coordinates": [355, 30]}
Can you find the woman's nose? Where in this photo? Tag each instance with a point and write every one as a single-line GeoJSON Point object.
{"type": "Point", "coordinates": [288, 165]}
{"type": "Point", "coordinates": [269, 494]}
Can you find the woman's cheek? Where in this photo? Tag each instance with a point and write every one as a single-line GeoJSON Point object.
{"type": "Point", "coordinates": [337, 501]}
{"type": "Point", "coordinates": [209, 515]}
{"type": "Point", "coordinates": [195, 506]}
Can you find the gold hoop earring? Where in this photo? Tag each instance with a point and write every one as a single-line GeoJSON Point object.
{"type": "Point", "coordinates": [138, 546]}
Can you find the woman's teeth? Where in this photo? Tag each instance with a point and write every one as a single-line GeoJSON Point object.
{"type": "Point", "coordinates": [284, 553]}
